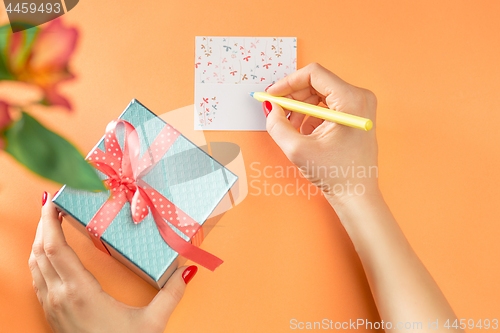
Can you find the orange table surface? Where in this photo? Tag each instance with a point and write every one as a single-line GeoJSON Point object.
{"type": "Point", "coordinates": [434, 66]}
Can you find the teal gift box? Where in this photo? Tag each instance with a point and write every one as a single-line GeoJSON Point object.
{"type": "Point", "coordinates": [194, 187]}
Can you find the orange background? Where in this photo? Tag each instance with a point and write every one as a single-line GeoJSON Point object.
{"type": "Point", "coordinates": [434, 67]}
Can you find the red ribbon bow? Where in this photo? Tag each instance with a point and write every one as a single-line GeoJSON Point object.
{"type": "Point", "coordinates": [125, 170]}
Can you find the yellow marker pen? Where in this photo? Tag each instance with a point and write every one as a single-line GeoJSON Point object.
{"type": "Point", "coordinates": [316, 111]}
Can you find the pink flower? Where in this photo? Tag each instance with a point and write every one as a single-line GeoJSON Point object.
{"type": "Point", "coordinates": [46, 65]}
{"type": "Point", "coordinates": [4, 119]}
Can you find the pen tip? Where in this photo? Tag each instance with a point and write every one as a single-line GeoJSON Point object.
{"type": "Point", "coordinates": [251, 94]}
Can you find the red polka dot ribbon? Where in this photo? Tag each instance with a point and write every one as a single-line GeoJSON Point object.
{"type": "Point", "coordinates": [125, 170]}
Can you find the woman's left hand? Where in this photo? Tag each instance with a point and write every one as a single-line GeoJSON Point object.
{"type": "Point", "coordinates": [73, 299]}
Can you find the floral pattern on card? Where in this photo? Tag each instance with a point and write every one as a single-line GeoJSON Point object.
{"type": "Point", "coordinates": [207, 110]}
{"type": "Point", "coordinates": [241, 60]}
{"type": "Point", "coordinates": [228, 69]}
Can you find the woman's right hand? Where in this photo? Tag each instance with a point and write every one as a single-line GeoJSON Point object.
{"type": "Point", "coordinates": [402, 287]}
{"type": "Point", "coordinates": [340, 160]}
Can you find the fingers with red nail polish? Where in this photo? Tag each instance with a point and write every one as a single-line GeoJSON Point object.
{"type": "Point", "coordinates": [44, 198]}
{"type": "Point", "coordinates": [269, 86]}
{"type": "Point", "coordinates": [267, 106]}
{"type": "Point", "coordinates": [189, 273]}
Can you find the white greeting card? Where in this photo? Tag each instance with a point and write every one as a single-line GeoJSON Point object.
{"type": "Point", "coordinates": [227, 69]}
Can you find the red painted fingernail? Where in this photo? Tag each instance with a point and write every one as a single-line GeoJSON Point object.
{"type": "Point", "coordinates": [44, 198]}
{"type": "Point", "coordinates": [267, 106]}
{"type": "Point", "coordinates": [189, 273]}
{"type": "Point", "coordinates": [268, 87]}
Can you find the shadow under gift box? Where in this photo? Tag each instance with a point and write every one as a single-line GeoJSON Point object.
{"type": "Point", "coordinates": [187, 176]}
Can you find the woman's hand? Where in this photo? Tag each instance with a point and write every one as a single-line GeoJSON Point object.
{"type": "Point", "coordinates": [403, 289]}
{"type": "Point", "coordinates": [73, 299]}
{"type": "Point", "coordinates": [340, 160]}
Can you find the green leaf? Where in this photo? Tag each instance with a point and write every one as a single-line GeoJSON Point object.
{"type": "Point", "coordinates": [4, 32]}
{"type": "Point", "coordinates": [49, 155]}
{"type": "Point", "coordinates": [4, 72]}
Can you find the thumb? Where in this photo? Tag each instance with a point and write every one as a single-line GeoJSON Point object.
{"type": "Point", "coordinates": [164, 303]}
{"type": "Point", "coordinates": [281, 130]}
